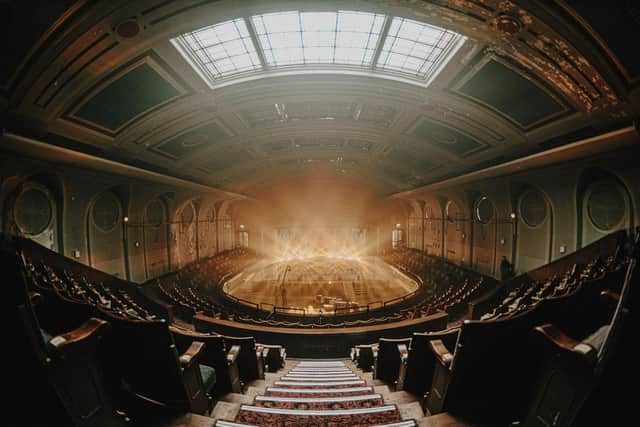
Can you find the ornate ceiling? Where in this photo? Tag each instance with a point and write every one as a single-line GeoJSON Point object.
{"type": "Point", "coordinates": [102, 77]}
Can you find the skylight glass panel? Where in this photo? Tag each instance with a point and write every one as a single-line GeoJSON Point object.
{"type": "Point", "coordinates": [299, 38]}
{"type": "Point", "coordinates": [220, 50]}
{"type": "Point", "coordinates": [417, 48]}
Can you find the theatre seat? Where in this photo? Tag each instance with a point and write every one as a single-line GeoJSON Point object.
{"type": "Point", "coordinates": [149, 374]}
{"type": "Point", "coordinates": [421, 360]}
{"type": "Point", "coordinates": [390, 361]}
{"type": "Point", "coordinates": [274, 357]}
{"type": "Point", "coordinates": [362, 355]}
{"type": "Point", "coordinates": [216, 355]}
{"type": "Point", "coordinates": [46, 371]}
{"type": "Point", "coordinates": [250, 362]}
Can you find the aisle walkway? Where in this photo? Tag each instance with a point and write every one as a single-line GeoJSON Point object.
{"type": "Point", "coordinates": [319, 393]}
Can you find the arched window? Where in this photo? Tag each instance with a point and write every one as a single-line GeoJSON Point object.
{"type": "Point", "coordinates": [484, 236]}
{"type": "Point", "coordinates": [156, 247]}
{"type": "Point", "coordinates": [535, 230]}
{"type": "Point", "coordinates": [106, 234]}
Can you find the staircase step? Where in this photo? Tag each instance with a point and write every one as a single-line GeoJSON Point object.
{"type": "Point", "coordinates": [319, 399]}
{"type": "Point", "coordinates": [321, 383]}
{"type": "Point", "coordinates": [360, 416]}
{"type": "Point", "coordinates": [346, 391]}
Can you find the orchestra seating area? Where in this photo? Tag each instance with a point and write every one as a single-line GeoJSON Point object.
{"type": "Point", "coordinates": [446, 287]}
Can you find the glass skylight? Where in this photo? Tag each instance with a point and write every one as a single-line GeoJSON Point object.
{"type": "Point", "coordinates": [222, 49]}
{"type": "Point", "coordinates": [299, 38]}
{"type": "Point", "coordinates": [294, 41]}
{"type": "Point", "coordinates": [415, 48]}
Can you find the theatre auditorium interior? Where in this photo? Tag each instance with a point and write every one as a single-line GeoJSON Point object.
{"type": "Point", "coordinates": [319, 213]}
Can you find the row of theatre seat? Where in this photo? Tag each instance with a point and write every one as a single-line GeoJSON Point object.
{"type": "Point", "coordinates": [445, 287]}
{"type": "Point", "coordinates": [553, 353]}
{"type": "Point", "coordinates": [86, 351]}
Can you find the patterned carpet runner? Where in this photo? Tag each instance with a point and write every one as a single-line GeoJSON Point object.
{"type": "Point", "coordinates": [319, 393]}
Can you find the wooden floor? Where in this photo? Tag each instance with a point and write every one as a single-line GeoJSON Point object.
{"type": "Point", "coordinates": [320, 282]}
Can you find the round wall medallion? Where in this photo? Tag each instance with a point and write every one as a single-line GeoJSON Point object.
{"type": "Point", "coordinates": [128, 28]}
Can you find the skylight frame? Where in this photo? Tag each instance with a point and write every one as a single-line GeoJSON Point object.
{"type": "Point", "coordinates": [386, 42]}
{"type": "Point", "coordinates": [318, 38]}
{"type": "Point", "coordinates": [219, 51]}
{"type": "Point", "coordinates": [439, 45]}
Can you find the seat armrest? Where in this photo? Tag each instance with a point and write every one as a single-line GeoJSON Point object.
{"type": "Point", "coordinates": [579, 352]}
{"type": "Point", "coordinates": [555, 336]}
{"type": "Point", "coordinates": [87, 329]}
{"type": "Point", "coordinates": [441, 352]}
{"type": "Point", "coordinates": [404, 352]}
{"type": "Point", "coordinates": [191, 355]}
{"type": "Point", "coordinates": [232, 354]}
{"type": "Point", "coordinates": [611, 295]}
{"type": "Point", "coordinates": [35, 298]}
{"type": "Point", "coordinates": [260, 356]}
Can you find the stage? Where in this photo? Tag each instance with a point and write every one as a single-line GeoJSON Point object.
{"type": "Point", "coordinates": [320, 283]}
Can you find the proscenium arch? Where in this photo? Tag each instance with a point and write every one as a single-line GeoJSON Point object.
{"type": "Point", "coordinates": [603, 205]}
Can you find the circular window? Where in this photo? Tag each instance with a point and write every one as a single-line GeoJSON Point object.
{"type": "Point", "coordinates": [606, 205]}
{"type": "Point", "coordinates": [106, 212]}
{"type": "Point", "coordinates": [33, 211]}
{"type": "Point", "coordinates": [451, 211]}
{"type": "Point", "coordinates": [484, 210]}
{"type": "Point", "coordinates": [155, 213]}
{"type": "Point", "coordinates": [533, 209]}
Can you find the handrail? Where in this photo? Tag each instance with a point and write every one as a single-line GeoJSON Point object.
{"type": "Point", "coordinates": [356, 309]}
{"type": "Point", "coordinates": [289, 309]}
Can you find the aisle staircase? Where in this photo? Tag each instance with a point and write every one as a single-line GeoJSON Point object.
{"type": "Point", "coordinates": [318, 393]}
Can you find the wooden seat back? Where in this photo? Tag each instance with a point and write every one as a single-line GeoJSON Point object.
{"type": "Point", "coordinates": [388, 365]}
{"type": "Point", "coordinates": [247, 359]}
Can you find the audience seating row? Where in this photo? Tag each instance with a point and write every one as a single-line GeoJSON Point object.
{"type": "Point", "coordinates": [106, 357]}
{"type": "Point", "coordinates": [510, 366]}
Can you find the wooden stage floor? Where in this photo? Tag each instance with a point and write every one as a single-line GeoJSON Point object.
{"type": "Point", "coordinates": [320, 283]}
